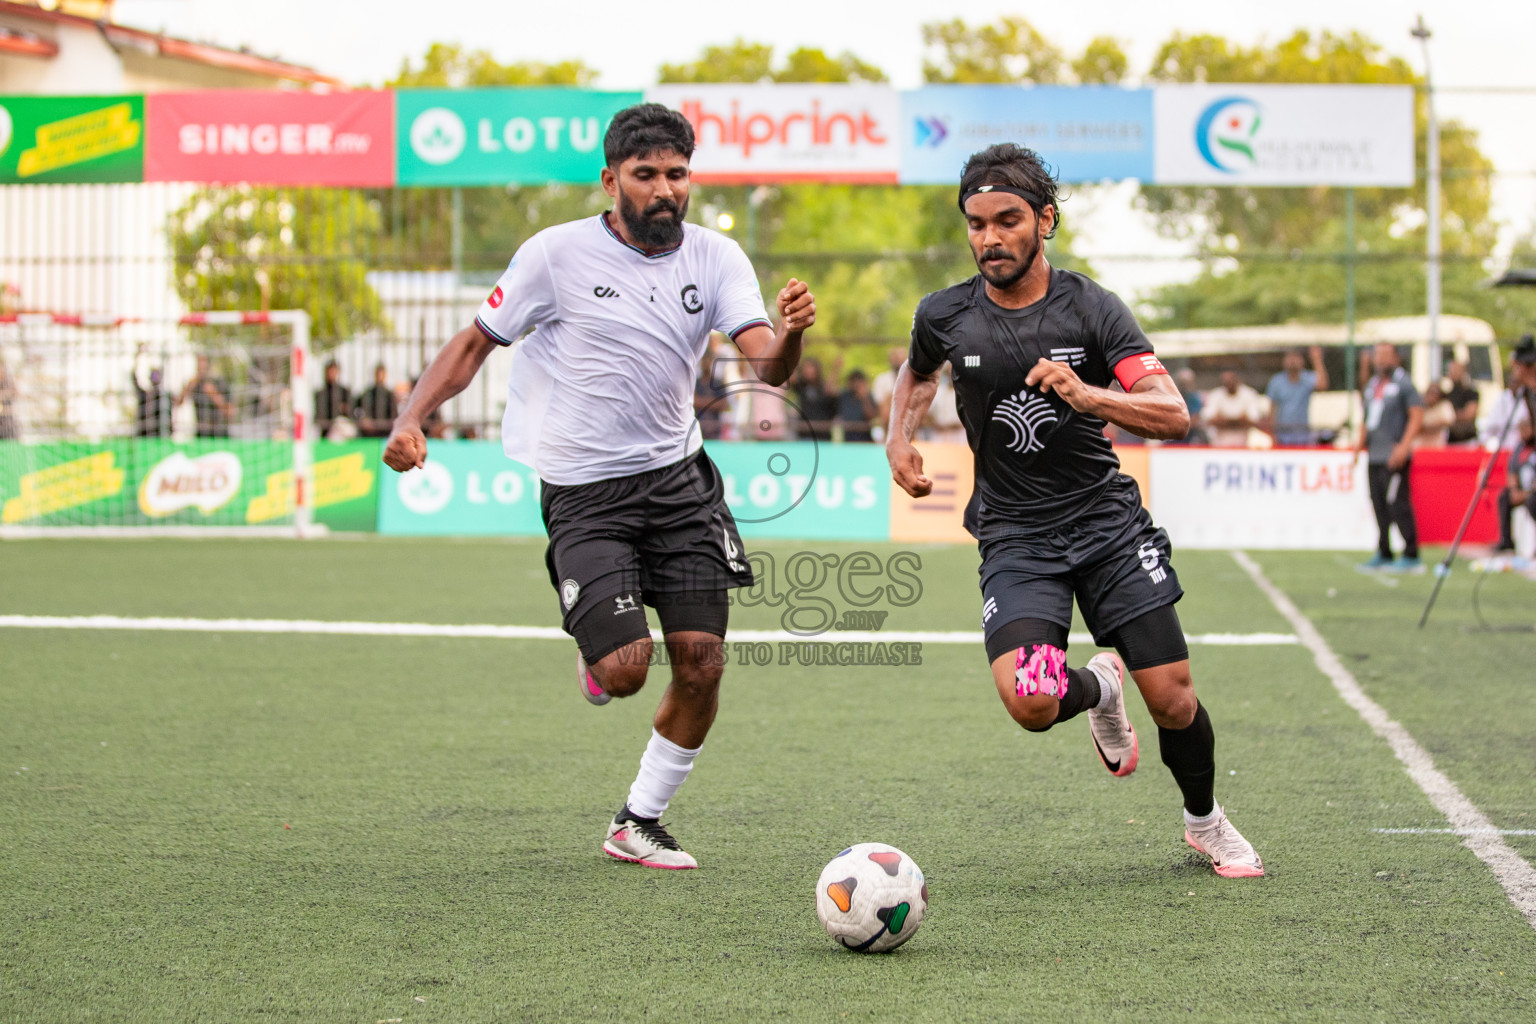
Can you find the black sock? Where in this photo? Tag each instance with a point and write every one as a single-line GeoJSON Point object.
{"type": "Point", "coordinates": [1082, 694]}
{"type": "Point", "coordinates": [1190, 754]}
{"type": "Point", "coordinates": [625, 814]}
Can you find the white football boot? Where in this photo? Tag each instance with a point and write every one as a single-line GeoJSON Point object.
{"type": "Point", "coordinates": [645, 841]}
{"type": "Point", "coordinates": [1231, 855]}
{"type": "Point", "coordinates": [1114, 738]}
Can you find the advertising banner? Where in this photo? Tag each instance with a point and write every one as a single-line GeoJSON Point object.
{"type": "Point", "coordinates": [1087, 133]}
{"type": "Point", "coordinates": [503, 136]}
{"type": "Point", "coordinates": [71, 139]}
{"type": "Point", "coordinates": [793, 489]}
{"type": "Point", "coordinates": [133, 482]}
{"type": "Point", "coordinates": [776, 133]}
{"type": "Point", "coordinates": [268, 137]}
{"type": "Point", "coordinates": [1283, 135]}
{"type": "Point", "coordinates": [1235, 498]}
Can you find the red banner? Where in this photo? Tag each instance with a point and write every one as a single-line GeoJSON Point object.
{"type": "Point", "coordinates": [1443, 479]}
{"type": "Point", "coordinates": [271, 138]}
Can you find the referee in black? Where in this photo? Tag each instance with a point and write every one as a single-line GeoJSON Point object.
{"type": "Point", "coordinates": [1034, 352]}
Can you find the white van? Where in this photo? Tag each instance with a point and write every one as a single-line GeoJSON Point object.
{"type": "Point", "coordinates": [1256, 354]}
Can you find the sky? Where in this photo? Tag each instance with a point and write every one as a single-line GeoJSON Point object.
{"type": "Point", "coordinates": [1475, 44]}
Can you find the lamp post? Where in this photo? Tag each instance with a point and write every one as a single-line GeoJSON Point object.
{"type": "Point", "coordinates": [1431, 208]}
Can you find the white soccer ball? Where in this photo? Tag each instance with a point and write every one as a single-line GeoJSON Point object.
{"type": "Point", "coordinates": [871, 897]}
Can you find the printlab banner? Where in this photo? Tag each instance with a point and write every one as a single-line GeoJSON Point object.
{"type": "Point", "coordinates": [274, 138]}
{"type": "Point", "coordinates": [1284, 135]}
{"type": "Point", "coordinates": [134, 482]}
{"type": "Point", "coordinates": [794, 489]}
{"type": "Point", "coordinates": [1233, 498]}
{"type": "Point", "coordinates": [771, 133]}
{"type": "Point", "coordinates": [71, 139]}
{"type": "Point", "coordinates": [1086, 133]}
{"type": "Point", "coordinates": [503, 136]}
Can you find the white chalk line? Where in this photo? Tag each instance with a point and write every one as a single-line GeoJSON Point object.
{"type": "Point", "coordinates": [1478, 834]}
{"type": "Point", "coordinates": [495, 632]}
{"type": "Point", "coordinates": [1455, 831]}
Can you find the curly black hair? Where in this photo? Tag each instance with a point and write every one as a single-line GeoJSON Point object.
{"type": "Point", "coordinates": [1009, 164]}
{"type": "Point", "coordinates": [646, 128]}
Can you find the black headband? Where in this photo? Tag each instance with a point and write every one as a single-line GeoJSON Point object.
{"type": "Point", "coordinates": [1032, 198]}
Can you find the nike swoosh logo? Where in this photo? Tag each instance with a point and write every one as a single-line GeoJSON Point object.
{"type": "Point", "coordinates": [1113, 766]}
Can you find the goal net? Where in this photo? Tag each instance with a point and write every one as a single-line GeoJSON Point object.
{"type": "Point", "coordinates": [194, 424]}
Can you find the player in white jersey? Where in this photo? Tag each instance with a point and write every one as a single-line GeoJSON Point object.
{"type": "Point", "coordinates": [600, 404]}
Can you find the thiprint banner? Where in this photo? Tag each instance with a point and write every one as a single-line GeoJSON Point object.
{"type": "Point", "coordinates": [1087, 133]}
{"type": "Point", "coordinates": [1284, 135]}
{"type": "Point", "coordinates": [1234, 498]}
{"type": "Point", "coordinates": [71, 139]}
{"type": "Point", "coordinates": [133, 482]}
{"type": "Point", "coordinates": [503, 136]}
{"type": "Point", "coordinates": [271, 138]}
{"type": "Point", "coordinates": [771, 133]}
{"type": "Point", "coordinates": [792, 489]}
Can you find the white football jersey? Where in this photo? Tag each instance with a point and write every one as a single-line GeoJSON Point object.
{"type": "Point", "coordinates": [603, 387]}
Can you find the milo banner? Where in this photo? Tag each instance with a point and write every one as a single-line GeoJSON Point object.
{"type": "Point", "coordinates": [71, 139]}
{"type": "Point", "coordinates": [795, 489]}
{"type": "Point", "coordinates": [205, 483]}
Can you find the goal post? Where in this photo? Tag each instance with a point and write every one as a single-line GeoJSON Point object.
{"type": "Point", "coordinates": [194, 425]}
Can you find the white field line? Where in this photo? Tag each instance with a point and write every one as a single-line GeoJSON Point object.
{"type": "Point", "coordinates": [494, 632]}
{"type": "Point", "coordinates": [1455, 831]}
{"type": "Point", "coordinates": [1478, 833]}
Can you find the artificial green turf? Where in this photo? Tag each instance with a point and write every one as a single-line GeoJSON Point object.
{"type": "Point", "coordinates": [446, 799]}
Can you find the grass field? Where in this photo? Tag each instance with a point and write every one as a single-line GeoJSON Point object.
{"type": "Point", "coordinates": [235, 827]}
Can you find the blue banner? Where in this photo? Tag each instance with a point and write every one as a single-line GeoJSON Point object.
{"type": "Point", "coordinates": [1085, 133]}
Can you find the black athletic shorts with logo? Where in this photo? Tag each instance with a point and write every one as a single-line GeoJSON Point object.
{"type": "Point", "coordinates": [664, 538]}
{"type": "Point", "coordinates": [1112, 559]}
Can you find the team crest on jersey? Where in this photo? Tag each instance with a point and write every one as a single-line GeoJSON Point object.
{"type": "Point", "coordinates": [1028, 416]}
{"type": "Point", "coordinates": [569, 591]}
{"type": "Point", "coordinates": [494, 301]}
{"type": "Point", "coordinates": [690, 296]}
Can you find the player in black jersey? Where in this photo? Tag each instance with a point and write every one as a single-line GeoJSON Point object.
{"type": "Point", "coordinates": [1034, 352]}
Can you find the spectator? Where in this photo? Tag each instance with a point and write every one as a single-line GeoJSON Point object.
{"type": "Point", "coordinates": [8, 430]}
{"type": "Point", "coordinates": [1393, 414]}
{"type": "Point", "coordinates": [817, 405]}
{"type": "Point", "coordinates": [883, 386]}
{"type": "Point", "coordinates": [332, 402]}
{"type": "Point", "coordinates": [1290, 397]}
{"type": "Point", "coordinates": [1231, 411]}
{"type": "Point", "coordinates": [376, 407]}
{"type": "Point", "coordinates": [1522, 389]}
{"type": "Point", "coordinates": [1439, 414]}
{"type": "Point", "coordinates": [1509, 403]}
{"type": "Point", "coordinates": [150, 420]}
{"type": "Point", "coordinates": [1463, 398]}
{"type": "Point", "coordinates": [709, 395]}
{"type": "Point", "coordinates": [210, 400]}
{"type": "Point", "coordinates": [944, 414]}
{"type": "Point", "coordinates": [1185, 380]}
{"type": "Point", "coordinates": [856, 408]}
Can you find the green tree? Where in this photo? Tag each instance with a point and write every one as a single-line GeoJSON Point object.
{"type": "Point", "coordinates": [248, 247]}
{"type": "Point", "coordinates": [741, 61]}
{"type": "Point", "coordinates": [449, 65]}
{"type": "Point", "coordinates": [1010, 51]}
{"type": "Point", "coordinates": [1102, 62]}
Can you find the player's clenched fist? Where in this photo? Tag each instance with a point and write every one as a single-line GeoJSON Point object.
{"type": "Point", "coordinates": [407, 448]}
{"type": "Point", "coordinates": [907, 469]}
{"type": "Point", "coordinates": [797, 306]}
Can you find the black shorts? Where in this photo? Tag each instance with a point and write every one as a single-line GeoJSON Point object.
{"type": "Point", "coordinates": [1111, 559]}
{"type": "Point", "coordinates": [665, 532]}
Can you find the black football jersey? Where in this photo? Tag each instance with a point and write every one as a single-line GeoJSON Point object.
{"type": "Point", "coordinates": [1039, 462]}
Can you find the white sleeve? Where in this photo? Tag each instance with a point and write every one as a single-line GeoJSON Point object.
{"type": "Point", "coordinates": [740, 302]}
{"type": "Point", "coordinates": [523, 298]}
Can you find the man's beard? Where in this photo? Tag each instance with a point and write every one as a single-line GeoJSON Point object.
{"type": "Point", "coordinates": [654, 232]}
{"type": "Point", "coordinates": [1005, 279]}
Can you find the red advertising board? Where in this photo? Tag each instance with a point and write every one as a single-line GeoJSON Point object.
{"type": "Point", "coordinates": [1443, 480]}
{"type": "Point", "coordinates": [271, 138]}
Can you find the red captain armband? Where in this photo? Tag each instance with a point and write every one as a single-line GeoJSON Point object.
{"type": "Point", "coordinates": [1132, 368]}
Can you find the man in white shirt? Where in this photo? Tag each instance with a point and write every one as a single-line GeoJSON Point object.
{"type": "Point", "coordinates": [1231, 411]}
{"type": "Point", "coordinates": [600, 404]}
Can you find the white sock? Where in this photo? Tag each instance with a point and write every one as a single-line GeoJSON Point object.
{"type": "Point", "coordinates": [663, 767]}
{"type": "Point", "coordinates": [1195, 823]}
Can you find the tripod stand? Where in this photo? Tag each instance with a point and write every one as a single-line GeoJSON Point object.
{"type": "Point", "coordinates": [1444, 568]}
